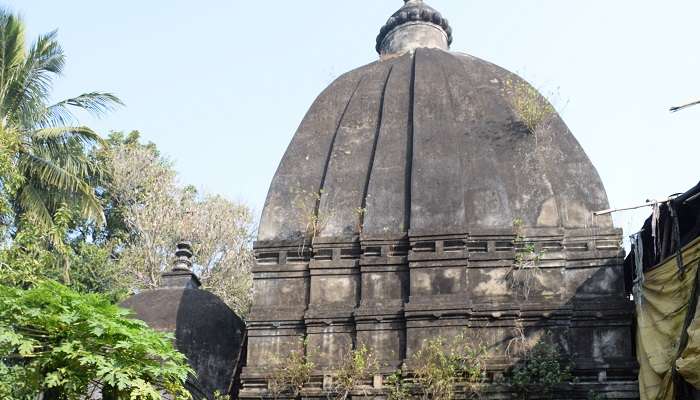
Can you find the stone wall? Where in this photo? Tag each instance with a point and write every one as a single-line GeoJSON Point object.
{"type": "Point", "coordinates": [391, 294]}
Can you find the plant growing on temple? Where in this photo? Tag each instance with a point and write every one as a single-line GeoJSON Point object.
{"type": "Point", "coordinates": [355, 368]}
{"type": "Point", "coordinates": [399, 388]}
{"type": "Point", "coordinates": [595, 396]}
{"type": "Point", "coordinates": [440, 364]}
{"type": "Point", "coordinates": [50, 150]}
{"type": "Point", "coordinates": [518, 343]}
{"type": "Point", "coordinates": [525, 272]}
{"type": "Point", "coordinates": [307, 204]}
{"type": "Point", "coordinates": [528, 104]}
{"type": "Point", "coordinates": [541, 369]}
{"type": "Point", "coordinates": [435, 370]}
{"type": "Point", "coordinates": [360, 212]}
{"type": "Point", "coordinates": [291, 373]}
{"type": "Point", "coordinates": [57, 342]}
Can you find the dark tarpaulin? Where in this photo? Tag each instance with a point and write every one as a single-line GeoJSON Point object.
{"type": "Point", "coordinates": [677, 224]}
{"type": "Point", "coordinates": [672, 226]}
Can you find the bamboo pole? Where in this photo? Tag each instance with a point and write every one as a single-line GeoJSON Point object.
{"type": "Point", "coordinates": [649, 203]}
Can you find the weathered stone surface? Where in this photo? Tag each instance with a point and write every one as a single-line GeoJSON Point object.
{"type": "Point", "coordinates": [416, 24]}
{"type": "Point", "coordinates": [410, 36]}
{"type": "Point", "coordinates": [427, 143]}
{"type": "Point", "coordinates": [206, 330]}
{"type": "Point", "coordinates": [391, 220]}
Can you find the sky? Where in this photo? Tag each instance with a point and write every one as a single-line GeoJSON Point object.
{"type": "Point", "coordinates": [221, 85]}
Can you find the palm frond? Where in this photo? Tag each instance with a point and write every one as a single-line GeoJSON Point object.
{"type": "Point", "coordinates": [87, 204]}
{"type": "Point", "coordinates": [38, 205]}
{"type": "Point", "coordinates": [32, 82]}
{"type": "Point", "coordinates": [66, 146]}
{"type": "Point", "coordinates": [11, 47]}
{"type": "Point", "coordinates": [32, 204]}
{"type": "Point", "coordinates": [96, 103]}
{"type": "Point", "coordinates": [46, 54]}
{"type": "Point", "coordinates": [66, 176]}
{"type": "Point", "coordinates": [83, 134]}
{"type": "Point", "coordinates": [63, 173]}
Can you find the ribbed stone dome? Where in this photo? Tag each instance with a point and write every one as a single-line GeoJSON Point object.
{"type": "Point", "coordinates": [425, 143]}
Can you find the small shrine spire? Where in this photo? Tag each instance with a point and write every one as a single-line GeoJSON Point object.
{"type": "Point", "coordinates": [183, 257]}
{"type": "Point", "coordinates": [181, 274]}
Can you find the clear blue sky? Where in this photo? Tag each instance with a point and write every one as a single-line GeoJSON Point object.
{"type": "Point", "coordinates": [220, 86]}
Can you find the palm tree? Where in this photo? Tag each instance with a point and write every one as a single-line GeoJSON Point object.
{"type": "Point", "coordinates": [52, 151]}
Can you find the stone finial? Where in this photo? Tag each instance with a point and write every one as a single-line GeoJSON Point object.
{"type": "Point", "coordinates": [183, 257]}
{"type": "Point", "coordinates": [181, 275]}
{"type": "Point", "coordinates": [415, 25]}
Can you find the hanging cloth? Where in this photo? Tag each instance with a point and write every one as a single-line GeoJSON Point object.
{"type": "Point", "coordinates": [661, 319]}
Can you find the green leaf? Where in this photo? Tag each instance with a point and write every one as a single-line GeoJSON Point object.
{"type": "Point", "coordinates": [99, 345]}
{"type": "Point", "coordinates": [98, 331]}
{"type": "Point", "coordinates": [53, 379]}
{"type": "Point", "coordinates": [26, 348]}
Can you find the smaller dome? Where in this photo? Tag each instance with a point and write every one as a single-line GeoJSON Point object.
{"type": "Point", "coordinates": [206, 330]}
{"type": "Point", "coordinates": [418, 13]}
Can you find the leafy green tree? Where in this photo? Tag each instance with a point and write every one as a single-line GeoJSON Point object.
{"type": "Point", "coordinates": [87, 267]}
{"type": "Point", "coordinates": [51, 149]}
{"type": "Point", "coordinates": [66, 345]}
{"type": "Point", "coordinates": [73, 218]}
{"type": "Point", "coordinates": [9, 177]}
{"type": "Point", "coordinates": [147, 213]}
{"type": "Point", "coordinates": [115, 232]}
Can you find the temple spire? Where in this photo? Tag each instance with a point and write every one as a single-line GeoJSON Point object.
{"type": "Point", "coordinates": [413, 26]}
{"type": "Point", "coordinates": [183, 257]}
{"type": "Point", "coordinates": [181, 275]}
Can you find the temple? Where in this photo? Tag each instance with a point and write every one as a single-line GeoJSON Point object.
{"type": "Point", "coordinates": [403, 209]}
{"type": "Point", "coordinates": [206, 330]}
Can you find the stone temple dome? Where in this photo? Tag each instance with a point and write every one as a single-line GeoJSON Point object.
{"type": "Point", "coordinates": [206, 330]}
{"type": "Point", "coordinates": [427, 141]}
{"type": "Point", "coordinates": [403, 209]}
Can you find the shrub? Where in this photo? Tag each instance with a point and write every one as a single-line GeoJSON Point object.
{"type": "Point", "coordinates": [541, 370]}
{"type": "Point", "coordinates": [528, 104]}
{"type": "Point", "coordinates": [356, 366]}
{"type": "Point", "coordinates": [399, 389]}
{"type": "Point", "coordinates": [439, 365]}
{"type": "Point", "coordinates": [291, 373]}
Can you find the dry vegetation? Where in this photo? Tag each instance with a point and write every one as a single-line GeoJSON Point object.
{"type": "Point", "coordinates": [529, 105]}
